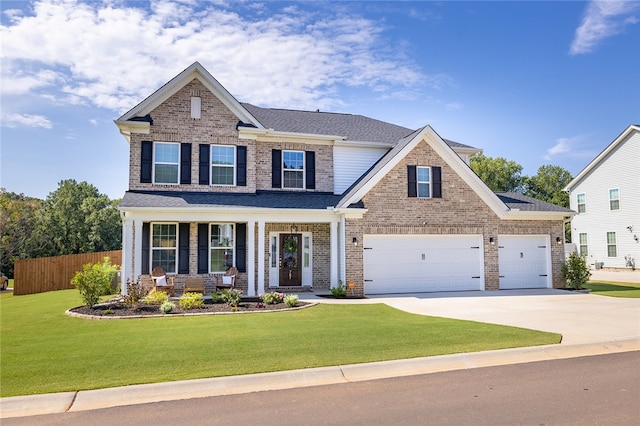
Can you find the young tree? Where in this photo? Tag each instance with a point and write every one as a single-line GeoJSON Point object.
{"type": "Point", "coordinates": [548, 185]}
{"type": "Point", "coordinates": [500, 174]}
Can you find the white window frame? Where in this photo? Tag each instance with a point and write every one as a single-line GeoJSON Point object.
{"type": "Point", "coordinates": [613, 245]}
{"type": "Point", "coordinates": [303, 170]}
{"type": "Point", "coordinates": [583, 246]}
{"type": "Point", "coordinates": [154, 248]}
{"type": "Point", "coordinates": [231, 247]}
{"type": "Point", "coordinates": [583, 204]}
{"type": "Point", "coordinates": [156, 163]}
{"type": "Point", "coordinates": [429, 182]}
{"type": "Point", "coordinates": [233, 167]}
{"type": "Point", "coordinates": [616, 200]}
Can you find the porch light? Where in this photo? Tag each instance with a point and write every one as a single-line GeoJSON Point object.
{"type": "Point", "coordinates": [294, 228]}
{"type": "Point", "coordinates": [558, 240]}
{"type": "Point", "coordinates": [492, 241]}
{"type": "Point", "coordinates": [355, 241]}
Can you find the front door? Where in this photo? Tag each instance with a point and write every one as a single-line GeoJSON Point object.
{"type": "Point", "coordinates": [290, 260]}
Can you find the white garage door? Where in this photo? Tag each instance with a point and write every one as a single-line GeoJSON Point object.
{"type": "Point", "coordinates": [420, 263]}
{"type": "Point", "coordinates": [524, 261]}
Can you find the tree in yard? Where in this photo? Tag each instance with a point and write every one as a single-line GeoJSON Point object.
{"type": "Point", "coordinates": [499, 174]}
{"type": "Point", "coordinates": [548, 185]}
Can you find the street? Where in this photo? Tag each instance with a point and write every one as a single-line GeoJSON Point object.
{"type": "Point", "coordinates": [593, 390]}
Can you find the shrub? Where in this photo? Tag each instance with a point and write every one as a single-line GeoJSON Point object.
{"type": "Point", "coordinates": [232, 297]}
{"type": "Point", "coordinates": [291, 300]}
{"type": "Point", "coordinates": [167, 307]}
{"type": "Point", "coordinates": [216, 297]}
{"type": "Point", "coordinates": [191, 300]}
{"type": "Point", "coordinates": [339, 291]}
{"type": "Point", "coordinates": [156, 298]}
{"type": "Point", "coordinates": [272, 298]}
{"type": "Point", "coordinates": [135, 293]}
{"type": "Point", "coordinates": [575, 271]}
{"type": "Point", "coordinates": [94, 281]}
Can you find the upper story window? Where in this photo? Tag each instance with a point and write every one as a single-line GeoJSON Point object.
{"type": "Point", "coordinates": [293, 169]}
{"type": "Point", "coordinates": [164, 246]}
{"type": "Point", "coordinates": [424, 182]}
{"type": "Point", "coordinates": [221, 247]}
{"type": "Point", "coordinates": [612, 249]}
{"type": "Point", "coordinates": [166, 162]}
{"type": "Point", "coordinates": [614, 199]}
{"type": "Point", "coordinates": [223, 164]}
{"type": "Point", "coordinates": [582, 203]}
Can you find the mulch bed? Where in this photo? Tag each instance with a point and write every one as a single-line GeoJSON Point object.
{"type": "Point", "coordinates": [119, 310]}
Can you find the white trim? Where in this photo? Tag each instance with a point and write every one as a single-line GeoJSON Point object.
{"type": "Point", "coordinates": [156, 162]}
{"type": "Point", "coordinates": [429, 182]}
{"type": "Point", "coordinates": [152, 248]}
{"type": "Point", "coordinates": [333, 268]}
{"type": "Point", "coordinates": [303, 170]}
{"type": "Point", "coordinates": [137, 261]}
{"type": "Point", "coordinates": [261, 257]}
{"type": "Point", "coordinates": [251, 258]}
{"type": "Point", "coordinates": [234, 167]}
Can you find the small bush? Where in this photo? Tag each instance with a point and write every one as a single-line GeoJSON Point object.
{"type": "Point", "coordinates": [575, 271]}
{"type": "Point", "coordinates": [272, 298]}
{"type": "Point", "coordinates": [216, 297]}
{"type": "Point", "coordinates": [156, 298]}
{"type": "Point", "coordinates": [291, 300]}
{"type": "Point", "coordinates": [191, 300]}
{"type": "Point", "coordinates": [135, 293]}
{"type": "Point", "coordinates": [107, 312]}
{"type": "Point", "coordinates": [167, 307]}
{"type": "Point", "coordinates": [339, 291]}
{"type": "Point", "coordinates": [94, 281]}
{"type": "Point", "coordinates": [232, 297]}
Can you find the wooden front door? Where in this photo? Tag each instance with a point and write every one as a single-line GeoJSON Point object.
{"type": "Point", "coordinates": [290, 260]}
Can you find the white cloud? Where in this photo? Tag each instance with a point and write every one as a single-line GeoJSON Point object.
{"type": "Point", "coordinates": [26, 120]}
{"type": "Point", "coordinates": [113, 54]}
{"type": "Point", "coordinates": [602, 19]}
{"type": "Point", "coordinates": [572, 147]}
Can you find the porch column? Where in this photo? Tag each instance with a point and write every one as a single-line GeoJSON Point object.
{"type": "Point", "coordinates": [342, 256]}
{"type": "Point", "coordinates": [137, 248]}
{"type": "Point", "coordinates": [251, 258]}
{"type": "Point", "coordinates": [334, 254]}
{"type": "Point", "coordinates": [261, 250]}
{"type": "Point", "coordinates": [126, 268]}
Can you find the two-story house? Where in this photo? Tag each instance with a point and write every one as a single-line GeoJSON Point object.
{"type": "Point", "coordinates": [606, 195]}
{"type": "Point", "coordinates": [307, 199]}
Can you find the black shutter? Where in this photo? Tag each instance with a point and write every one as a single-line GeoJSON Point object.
{"type": "Point", "coordinates": [436, 179]}
{"type": "Point", "coordinates": [185, 164]}
{"type": "Point", "coordinates": [241, 247]}
{"type": "Point", "coordinates": [204, 165]}
{"type": "Point", "coordinates": [203, 248]}
{"type": "Point", "coordinates": [146, 240]}
{"type": "Point", "coordinates": [183, 249]}
{"type": "Point", "coordinates": [146, 162]}
{"type": "Point", "coordinates": [413, 181]}
{"type": "Point", "coordinates": [310, 166]}
{"type": "Point", "coordinates": [276, 168]}
{"type": "Point", "coordinates": [241, 171]}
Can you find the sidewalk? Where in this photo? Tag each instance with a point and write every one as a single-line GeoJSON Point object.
{"type": "Point", "coordinates": [590, 325]}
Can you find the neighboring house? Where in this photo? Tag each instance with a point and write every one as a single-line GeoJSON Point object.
{"type": "Point", "coordinates": [606, 195]}
{"type": "Point", "coordinates": [307, 199]}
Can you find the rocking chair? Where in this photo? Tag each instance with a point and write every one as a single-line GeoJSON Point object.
{"type": "Point", "coordinates": [226, 280]}
{"type": "Point", "coordinates": [162, 281]}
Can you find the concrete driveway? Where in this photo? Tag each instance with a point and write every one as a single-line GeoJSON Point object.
{"type": "Point", "coordinates": [580, 318]}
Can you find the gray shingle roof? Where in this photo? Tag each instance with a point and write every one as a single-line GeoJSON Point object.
{"type": "Point", "coordinates": [521, 202]}
{"type": "Point", "coordinates": [261, 199]}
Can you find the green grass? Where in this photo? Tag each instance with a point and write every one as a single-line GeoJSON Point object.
{"type": "Point", "coordinates": [43, 350]}
{"type": "Point", "coordinates": [614, 289]}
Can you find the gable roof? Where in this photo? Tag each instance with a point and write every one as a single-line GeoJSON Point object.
{"type": "Point", "coordinates": [516, 201]}
{"type": "Point", "coordinates": [603, 155]}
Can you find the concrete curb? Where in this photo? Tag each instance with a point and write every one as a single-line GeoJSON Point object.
{"type": "Point", "coordinates": [22, 406]}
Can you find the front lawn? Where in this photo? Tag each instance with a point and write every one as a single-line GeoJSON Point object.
{"type": "Point", "coordinates": [614, 289]}
{"type": "Point", "coordinates": [43, 350]}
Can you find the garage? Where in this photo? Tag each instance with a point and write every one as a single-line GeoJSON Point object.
{"type": "Point", "coordinates": [523, 261]}
{"type": "Point", "coordinates": [422, 263]}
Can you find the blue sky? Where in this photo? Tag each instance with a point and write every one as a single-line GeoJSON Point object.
{"type": "Point", "coordinates": [534, 82]}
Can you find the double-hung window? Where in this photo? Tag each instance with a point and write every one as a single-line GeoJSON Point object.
{"type": "Point", "coordinates": [612, 250]}
{"type": "Point", "coordinates": [584, 250]}
{"type": "Point", "coordinates": [424, 182]}
{"type": "Point", "coordinates": [293, 169]}
{"type": "Point", "coordinates": [582, 203]}
{"type": "Point", "coordinates": [223, 165]}
{"type": "Point", "coordinates": [614, 199]}
{"type": "Point", "coordinates": [164, 246]}
{"type": "Point", "coordinates": [221, 247]}
{"type": "Point", "coordinates": [166, 162]}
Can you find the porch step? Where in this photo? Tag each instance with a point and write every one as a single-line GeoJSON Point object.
{"type": "Point", "coordinates": [293, 289]}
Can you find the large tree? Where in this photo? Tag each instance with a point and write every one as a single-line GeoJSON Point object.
{"type": "Point", "coordinates": [76, 218]}
{"type": "Point", "coordinates": [548, 185]}
{"type": "Point", "coordinates": [500, 174]}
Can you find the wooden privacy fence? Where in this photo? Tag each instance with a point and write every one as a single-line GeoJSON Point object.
{"type": "Point", "coordinates": [54, 273]}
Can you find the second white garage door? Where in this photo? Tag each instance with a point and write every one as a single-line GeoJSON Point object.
{"type": "Point", "coordinates": [524, 261]}
{"type": "Point", "coordinates": [421, 263]}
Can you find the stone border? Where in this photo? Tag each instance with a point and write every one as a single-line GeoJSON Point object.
{"type": "Point", "coordinates": [70, 313]}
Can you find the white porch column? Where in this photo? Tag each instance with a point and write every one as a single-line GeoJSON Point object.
{"type": "Point", "coordinates": [137, 249]}
{"type": "Point", "coordinates": [333, 237]}
{"type": "Point", "coordinates": [251, 258]}
{"type": "Point", "coordinates": [126, 268]}
{"type": "Point", "coordinates": [261, 250]}
{"type": "Point", "coordinates": [343, 242]}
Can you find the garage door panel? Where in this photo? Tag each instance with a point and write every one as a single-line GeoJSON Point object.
{"type": "Point", "coordinates": [395, 263]}
{"type": "Point", "coordinates": [523, 261]}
